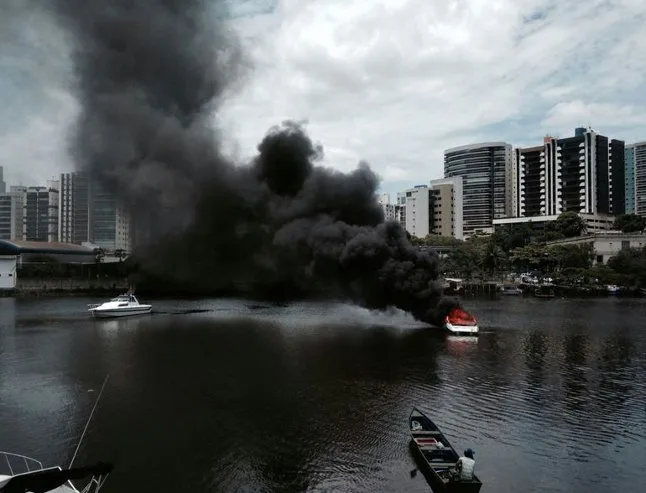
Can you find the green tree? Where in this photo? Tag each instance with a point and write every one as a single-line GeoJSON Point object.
{"type": "Point", "coordinates": [631, 263]}
{"type": "Point", "coordinates": [466, 259]}
{"type": "Point", "coordinates": [629, 223]}
{"type": "Point", "coordinates": [512, 236]}
{"type": "Point", "coordinates": [572, 256]}
{"type": "Point", "coordinates": [493, 257]}
{"type": "Point", "coordinates": [529, 257]}
{"type": "Point", "coordinates": [605, 275]}
{"type": "Point", "coordinates": [568, 224]}
{"type": "Point", "coordinates": [438, 240]}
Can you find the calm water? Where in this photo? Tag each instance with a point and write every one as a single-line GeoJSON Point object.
{"type": "Point", "coordinates": [315, 397]}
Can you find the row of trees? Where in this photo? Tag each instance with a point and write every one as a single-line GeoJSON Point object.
{"type": "Point", "coordinates": [519, 248]}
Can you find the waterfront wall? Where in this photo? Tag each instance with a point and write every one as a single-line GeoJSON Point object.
{"type": "Point", "coordinates": [35, 287]}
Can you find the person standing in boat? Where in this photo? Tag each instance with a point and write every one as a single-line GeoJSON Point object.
{"type": "Point", "coordinates": [465, 466]}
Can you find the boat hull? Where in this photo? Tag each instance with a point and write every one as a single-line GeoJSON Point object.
{"type": "Point", "coordinates": [471, 330]}
{"type": "Point", "coordinates": [436, 481]}
{"type": "Point", "coordinates": [124, 312]}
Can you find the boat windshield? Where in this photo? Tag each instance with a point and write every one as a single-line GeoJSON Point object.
{"type": "Point", "coordinates": [123, 298]}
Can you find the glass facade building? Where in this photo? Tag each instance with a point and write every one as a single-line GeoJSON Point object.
{"type": "Point", "coordinates": [89, 213]}
{"type": "Point", "coordinates": [484, 169]}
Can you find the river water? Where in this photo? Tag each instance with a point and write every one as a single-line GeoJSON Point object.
{"type": "Point", "coordinates": [315, 397]}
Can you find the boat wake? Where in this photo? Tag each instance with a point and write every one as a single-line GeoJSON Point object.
{"type": "Point", "coordinates": [187, 311]}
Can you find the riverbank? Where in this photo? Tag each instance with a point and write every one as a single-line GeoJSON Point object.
{"type": "Point", "coordinates": [492, 289]}
{"type": "Point", "coordinates": [29, 287]}
{"type": "Point", "coordinates": [40, 287]}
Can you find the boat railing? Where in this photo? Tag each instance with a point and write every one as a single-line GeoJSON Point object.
{"type": "Point", "coordinates": [19, 464]}
{"type": "Point", "coordinates": [95, 484]}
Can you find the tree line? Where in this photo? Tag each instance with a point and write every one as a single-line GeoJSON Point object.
{"type": "Point", "coordinates": [520, 248]}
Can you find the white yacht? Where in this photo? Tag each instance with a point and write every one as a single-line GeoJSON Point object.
{"type": "Point", "coordinates": [122, 306]}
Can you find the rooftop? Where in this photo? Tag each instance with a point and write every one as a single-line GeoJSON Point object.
{"type": "Point", "coordinates": [16, 247]}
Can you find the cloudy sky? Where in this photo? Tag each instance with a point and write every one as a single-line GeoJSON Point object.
{"type": "Point", "coordinates": [393, 82]}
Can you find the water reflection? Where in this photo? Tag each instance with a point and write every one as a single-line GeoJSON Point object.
{"type": "Point", "coordinates": [7, 312]}
{"type": "Point", "coordinates": [574, 372]}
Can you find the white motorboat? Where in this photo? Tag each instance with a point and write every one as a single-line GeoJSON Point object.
{"type": "Point", "coordinates": [460, 322]}
{"type": "Point", "coordinates": [613, 289]}
{"type": "Point", "coordinates": [28, 475]}
{"type": "Point", "coordinates": [122, 306]}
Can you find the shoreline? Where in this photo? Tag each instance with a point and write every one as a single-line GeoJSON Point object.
{"type": "Point", "coordinates": [36, 288]}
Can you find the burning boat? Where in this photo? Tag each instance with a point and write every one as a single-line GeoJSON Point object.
{"type": "Point", "coordinates": [458, 321]}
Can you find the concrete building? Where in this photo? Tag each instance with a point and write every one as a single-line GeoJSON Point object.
{"type": "Point", "coordinates": [606, 245]}
{"type": "Point", "coordinates": [447, 207]}
{"type": "Point", "coordinates": [389, 210]}
{"type": "Point", "coordinates": [89, 213]}
{"type": "Point", "coordinates": [487, 173]}
{"type": "Point", "coordinates": [15, 253]}
{"type": "Point", "coordinates": [629, 178]}
{"type": "Point", "coordinates": [8, 274]}
{"type": "Point", "coordinates": [595, 223]}
{"type": "Point", "coordinates": [418, 216]}
{"type": "Point", "coordinates": [401, 208]}
{"type": "Point", "coordinates": [40, 214]}
{"type": "Point", "coordinates": [3, 185]}
{"type": "Point", "coordinates": [12, 205]}
{"type": "Point", "coordinates": [65, 253]}
{"type": "Point", "coordinates": [639, 156]}
{"type": "Point", "coordinates": [583, 174]}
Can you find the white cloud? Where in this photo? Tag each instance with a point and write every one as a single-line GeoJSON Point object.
{"type": "Point", "coordinates": [564, 116]}
{"type": "Point", "coordinates": [394, 82]}
{"type": "Point", "coordinates": [397, 81]}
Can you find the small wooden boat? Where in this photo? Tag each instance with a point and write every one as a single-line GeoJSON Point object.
{"type": "Point", "coordinates": [437, 456]}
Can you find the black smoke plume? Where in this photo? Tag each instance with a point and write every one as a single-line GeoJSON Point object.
{"type": "Point", "coordinates": [151, 75]}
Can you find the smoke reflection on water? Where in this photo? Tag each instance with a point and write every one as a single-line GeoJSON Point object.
{"type": "Point", "coordinates": [244, 399]}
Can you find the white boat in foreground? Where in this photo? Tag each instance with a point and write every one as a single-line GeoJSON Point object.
{"type": "Point", "coordinates": [28, 475]}
{"type": "Point", "coordinates": [122, 306]}
{"type": "Point", "coordinates": [460, 322]}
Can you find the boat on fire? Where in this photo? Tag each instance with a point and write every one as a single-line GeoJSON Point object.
{"type": "Point", "coordinates": [26, 475]}
{"type": "Point", "coordinates": [122, 306]}
{"type": "Point", "coordinates": [459, 322]}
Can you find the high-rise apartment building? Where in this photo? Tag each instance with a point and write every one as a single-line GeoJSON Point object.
{"type": "Point", "coordinates": [583, 174]}
{"type": "Point", "coordinates": [419, 205]}
{"type": "Point", "coordinates": [629, 179]}
{"type": "Point", "coordinates": [89, 213]}
{"type": "Point", "coordinates": [639, 153]}
{"type": "Point", "coordinates": [487, 172]}
{"type": "Point", "coordinates": [3, 185]}
{"type": "Point", "coordinates": [12, 205]}
{"type": "Point", "coordinates": [432, 210]}
{"type": "Point", "coordinates": [447, 215]}
{"type": "Point", "coordinates": [389, 210]}
{"type": "Point", "coordinates": [40, 214]}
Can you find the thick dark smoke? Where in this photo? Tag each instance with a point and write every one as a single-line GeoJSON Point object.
{"type": "Point", "coordinates": [151, 74]}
